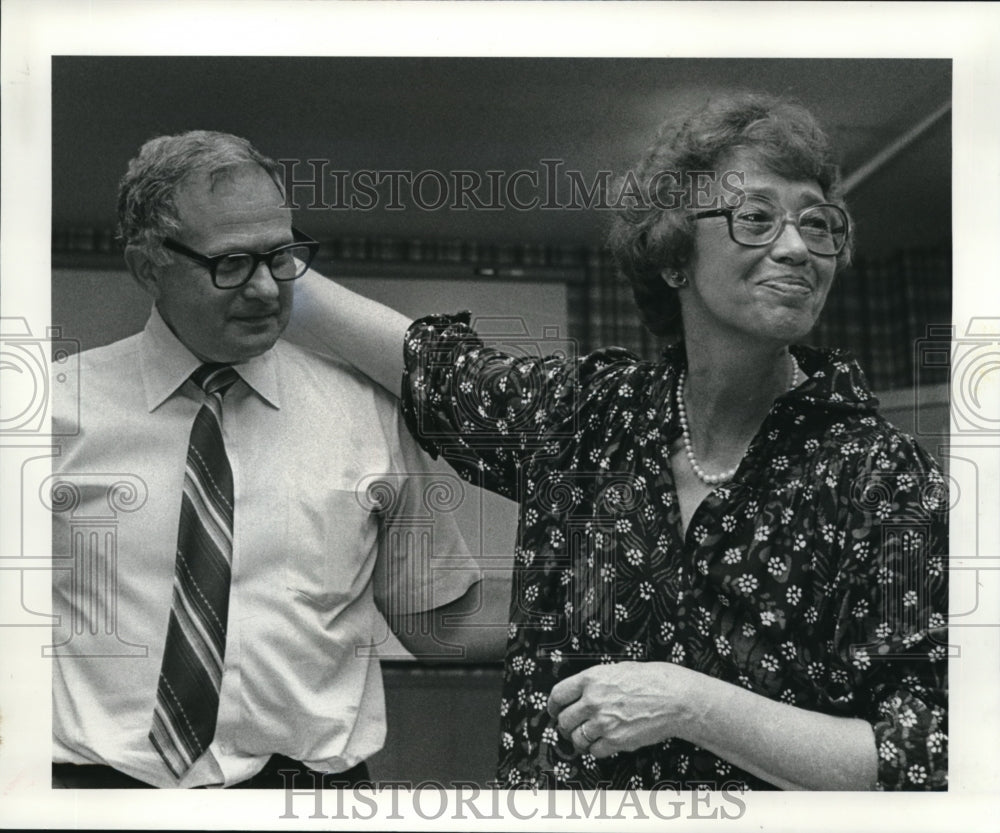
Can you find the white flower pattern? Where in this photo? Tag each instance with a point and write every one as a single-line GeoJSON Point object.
{"type": "Point", "coordinates": [787, 547]}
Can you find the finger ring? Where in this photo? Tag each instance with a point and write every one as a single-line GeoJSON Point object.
{"type": "Point", "coordinates": [583, 731]}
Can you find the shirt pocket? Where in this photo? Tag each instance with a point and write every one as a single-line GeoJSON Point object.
{"type": "Point", "coordinates": [332, 544]}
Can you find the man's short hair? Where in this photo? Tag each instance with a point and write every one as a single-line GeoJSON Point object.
{"type": "Point", "coordinates": [147, 212]}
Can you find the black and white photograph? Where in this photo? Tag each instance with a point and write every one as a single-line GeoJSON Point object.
{"type": "Point", "coordinates": [417, 429]}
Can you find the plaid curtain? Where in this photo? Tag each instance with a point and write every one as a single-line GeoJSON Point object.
{"type": "Point", "coordinates": [879, 308]}
{"type": "Point", "coordinates": [882, 309]}
{"type": "Point", "coordinates": [602, 311]}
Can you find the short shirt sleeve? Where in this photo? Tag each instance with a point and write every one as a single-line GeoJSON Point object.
{"type": "Point", "coordinates": [423, 559]}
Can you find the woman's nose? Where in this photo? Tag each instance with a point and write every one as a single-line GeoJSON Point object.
{"type": "Point", "coordinates": [789, 245]}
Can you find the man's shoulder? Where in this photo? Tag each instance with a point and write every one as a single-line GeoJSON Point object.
{"type": "Point", "coordinates": [103, 372]}
{"type": "Point", "coordinates": [112, 358]}
{"type": "Point", "coordinates": [105, 380]}
{"type": "Point", "coordinates": [324, 370]}
{"type": "Point", "coordinates": [319, 384]}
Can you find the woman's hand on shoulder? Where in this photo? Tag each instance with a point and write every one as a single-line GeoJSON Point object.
{"type": "Point", "coordinates": [626, 705]}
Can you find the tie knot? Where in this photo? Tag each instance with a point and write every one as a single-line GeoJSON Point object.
{"type": "Point", "coordinates": [215, 378]}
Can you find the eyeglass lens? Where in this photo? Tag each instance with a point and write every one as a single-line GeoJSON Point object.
{"type": "Point", "coordinates": [822, 227]}
{"type": "Point", "coordinates": [285, 264]}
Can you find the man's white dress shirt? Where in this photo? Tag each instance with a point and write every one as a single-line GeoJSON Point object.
{"type": "Point", "coordinates": [335, 508]}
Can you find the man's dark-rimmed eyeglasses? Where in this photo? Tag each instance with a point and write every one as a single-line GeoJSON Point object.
{"type": "Point", "coordinates": [232, 270]}
{"type": "Point", "coordinates": [759, 222]}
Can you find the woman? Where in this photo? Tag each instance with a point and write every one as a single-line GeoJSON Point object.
{"type": "Point", "coordinates": [729, 568]}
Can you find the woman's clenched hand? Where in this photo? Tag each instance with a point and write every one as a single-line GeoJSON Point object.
{"type": "Point", "coordinates": [626, 705]}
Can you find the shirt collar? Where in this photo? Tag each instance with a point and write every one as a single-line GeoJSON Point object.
{"type": "Point", "coordinates": [166, 364]}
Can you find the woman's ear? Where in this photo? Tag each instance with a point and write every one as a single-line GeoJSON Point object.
{"type": "Point", "coordinates": [143, 270]}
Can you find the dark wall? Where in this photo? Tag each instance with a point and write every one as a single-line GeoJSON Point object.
{"type": "Point", "coordinates": [478, 114]}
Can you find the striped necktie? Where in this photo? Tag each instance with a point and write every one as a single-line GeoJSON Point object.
{"type": "Point", "coordinates": [187, 695]}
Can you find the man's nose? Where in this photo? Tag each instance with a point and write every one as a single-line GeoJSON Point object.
{"type": "Point", "coordinates": [261, 284]}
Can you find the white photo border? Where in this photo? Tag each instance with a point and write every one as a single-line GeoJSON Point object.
{"type": "Point", "coordinates": [968, 34]}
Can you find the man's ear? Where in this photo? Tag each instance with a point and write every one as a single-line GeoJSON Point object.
{"type": "Point", "coordinates": [145, 272]}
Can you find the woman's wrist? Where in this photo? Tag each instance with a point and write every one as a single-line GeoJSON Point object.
{"type": "Point", "coordinates": [702, 700]}
{"type": "Point", "coordinates": [790, 747]}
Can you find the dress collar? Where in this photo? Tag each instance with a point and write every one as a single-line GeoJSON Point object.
{"type": "Point", "coordinates": [835, 378]}
{"type": "Point", "coordinates": [166, 364]}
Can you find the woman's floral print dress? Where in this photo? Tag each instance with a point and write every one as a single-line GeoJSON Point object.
{"type": "Point", "coordinates": [816, 577]}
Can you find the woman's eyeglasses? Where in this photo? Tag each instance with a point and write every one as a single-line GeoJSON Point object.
{"type": "Point", "coordinates": [759, 222]}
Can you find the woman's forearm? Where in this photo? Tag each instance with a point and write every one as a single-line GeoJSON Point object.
{"type": "Point", "coordinates": [787, 746]}
{"type": "Point", "coordinates": [623, 706]}
{"type": "Point", "coordinates": [332, 319]}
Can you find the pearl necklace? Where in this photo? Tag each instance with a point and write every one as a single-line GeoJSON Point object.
{"type": "Point", "coordinates": [723, 477]}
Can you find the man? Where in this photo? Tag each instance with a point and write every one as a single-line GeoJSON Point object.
{"type": "Point", "coordinates": [219, 628]}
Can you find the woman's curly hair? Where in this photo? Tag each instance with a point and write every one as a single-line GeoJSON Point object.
{"type": "Point", "coordinates": [648, 236]}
